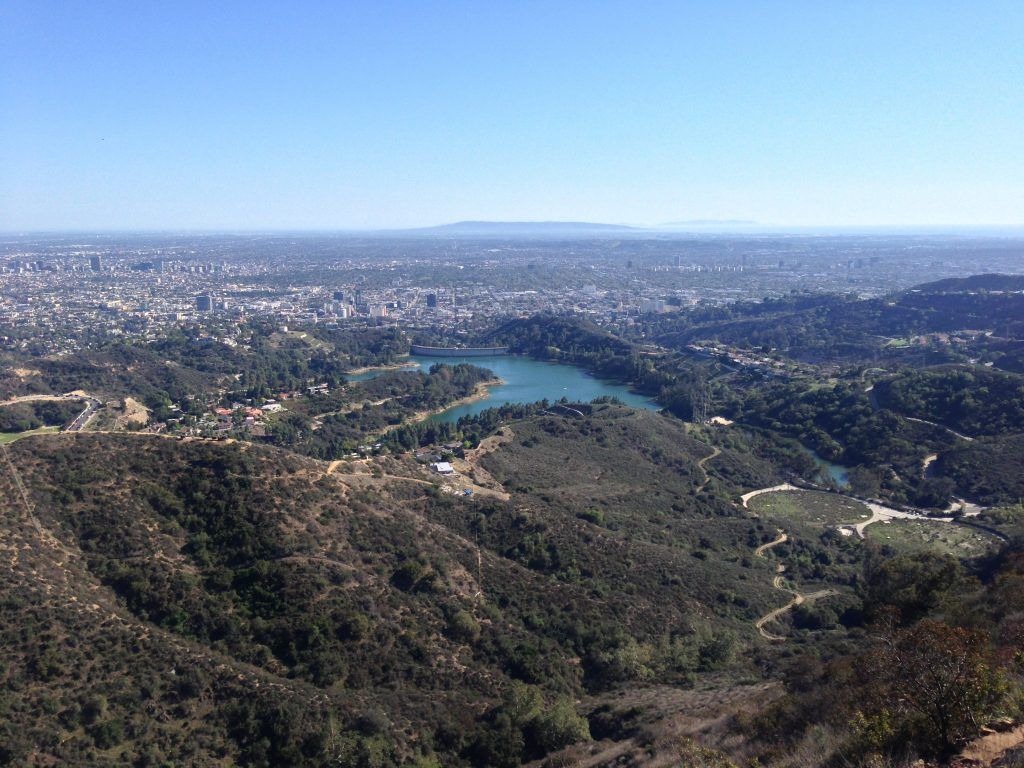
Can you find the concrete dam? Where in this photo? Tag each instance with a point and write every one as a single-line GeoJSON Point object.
{"type": "Point", "coordinates": [418, 349]}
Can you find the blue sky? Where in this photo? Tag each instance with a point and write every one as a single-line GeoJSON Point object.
{"type": "Point", "coordinates": [264, 115]}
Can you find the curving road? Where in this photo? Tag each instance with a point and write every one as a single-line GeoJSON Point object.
{"type": "Point", "coordinates": [746, 497]}
{"type": "Point", "coordinates": [873, 400]}
{"type": "Point", "coordinates": [878, 511]}
{"type": "Point", "coordinates": [953, 432]}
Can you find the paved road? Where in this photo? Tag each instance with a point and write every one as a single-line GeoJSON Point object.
{"type": "Point", "coordinates": [91, 406]}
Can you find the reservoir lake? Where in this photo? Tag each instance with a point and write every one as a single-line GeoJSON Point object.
{"type": "Point", "coordinates": [526, 381]}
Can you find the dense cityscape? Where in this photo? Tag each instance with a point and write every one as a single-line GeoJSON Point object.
{"type": "Point", "coordinates": [63, 294]}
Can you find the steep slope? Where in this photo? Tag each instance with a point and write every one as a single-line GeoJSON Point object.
{"type": "Point", "coordinates": [206, 602]}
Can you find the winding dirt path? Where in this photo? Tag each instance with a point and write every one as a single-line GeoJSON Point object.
{"type": "Point", "coordinates": [490, 444]}
{"type": "Point", "coordinates": [715, 451]}
{"type": "Point", "coordinates": [783, 538]}
{"type": "Point", "coordinates": [930, 459]}
{"type": "Point", "coordinates": [746, 497]}
{"type": "Point", "coordinates": [779, 583]}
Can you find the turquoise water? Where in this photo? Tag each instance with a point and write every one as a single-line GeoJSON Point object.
{"type": "Point", "coordinates": [828, 469]}
{"type": "Point", "coordinates": [528, 380]}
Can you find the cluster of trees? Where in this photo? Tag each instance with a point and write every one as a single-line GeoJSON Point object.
{"type": "Point", "coordinates": [261, 363]}
{"type": "Point", "coordinates": [20, 417]}
{"type": "Point", "coordinates": [375, 406]}
{"type": "Point", "coordinates": [986, 470]}
{"type": "Point", "coordinates": [1006, 355]}
{"type": "Point", "coordinates": [360, 347]}
{"type": "Point", "coordinates": [468, 429]}
{"type": "Point", "coordinates": [116, 370]}
{"type": "Point", "coordinates": [973, 401]}
{"type": "Point", "coordinates": [525, 727]}
{"type": "Point", "coordinates": [838, 422]}
{"type": "Point", "coordinates": [265, 361]}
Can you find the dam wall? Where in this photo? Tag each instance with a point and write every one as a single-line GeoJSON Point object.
{"type": "Point", "coordinates": [418, 349]}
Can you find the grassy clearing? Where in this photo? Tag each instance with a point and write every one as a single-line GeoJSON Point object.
{"type": "Point", "coordinates": [899, 343]}
{"type": "Point", "coordinates": [10, 437]}
{"type": "Point", "coordinates": [311, 341]}
{"type": "Point", "coordinates": [908, 536]}
{"type": "Point", "coordinates": [810, 508]}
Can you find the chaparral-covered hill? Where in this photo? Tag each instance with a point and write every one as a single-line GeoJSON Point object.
{"type": "Point", "coordinates": [201, 601]}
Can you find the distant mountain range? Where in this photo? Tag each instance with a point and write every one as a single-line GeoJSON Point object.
{"type": "Point", "coordinates": [523, 228]}
{"type": "Point", "coordinates": [738, 227]}
{"type": "Point", "coordinates": [571, 228]}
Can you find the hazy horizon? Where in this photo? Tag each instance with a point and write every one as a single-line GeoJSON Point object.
{"type": "Point", "coordinates": [753, 229]}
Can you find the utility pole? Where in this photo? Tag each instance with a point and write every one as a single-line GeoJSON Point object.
{"type": "Point", "coordinates": [701, 401]}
